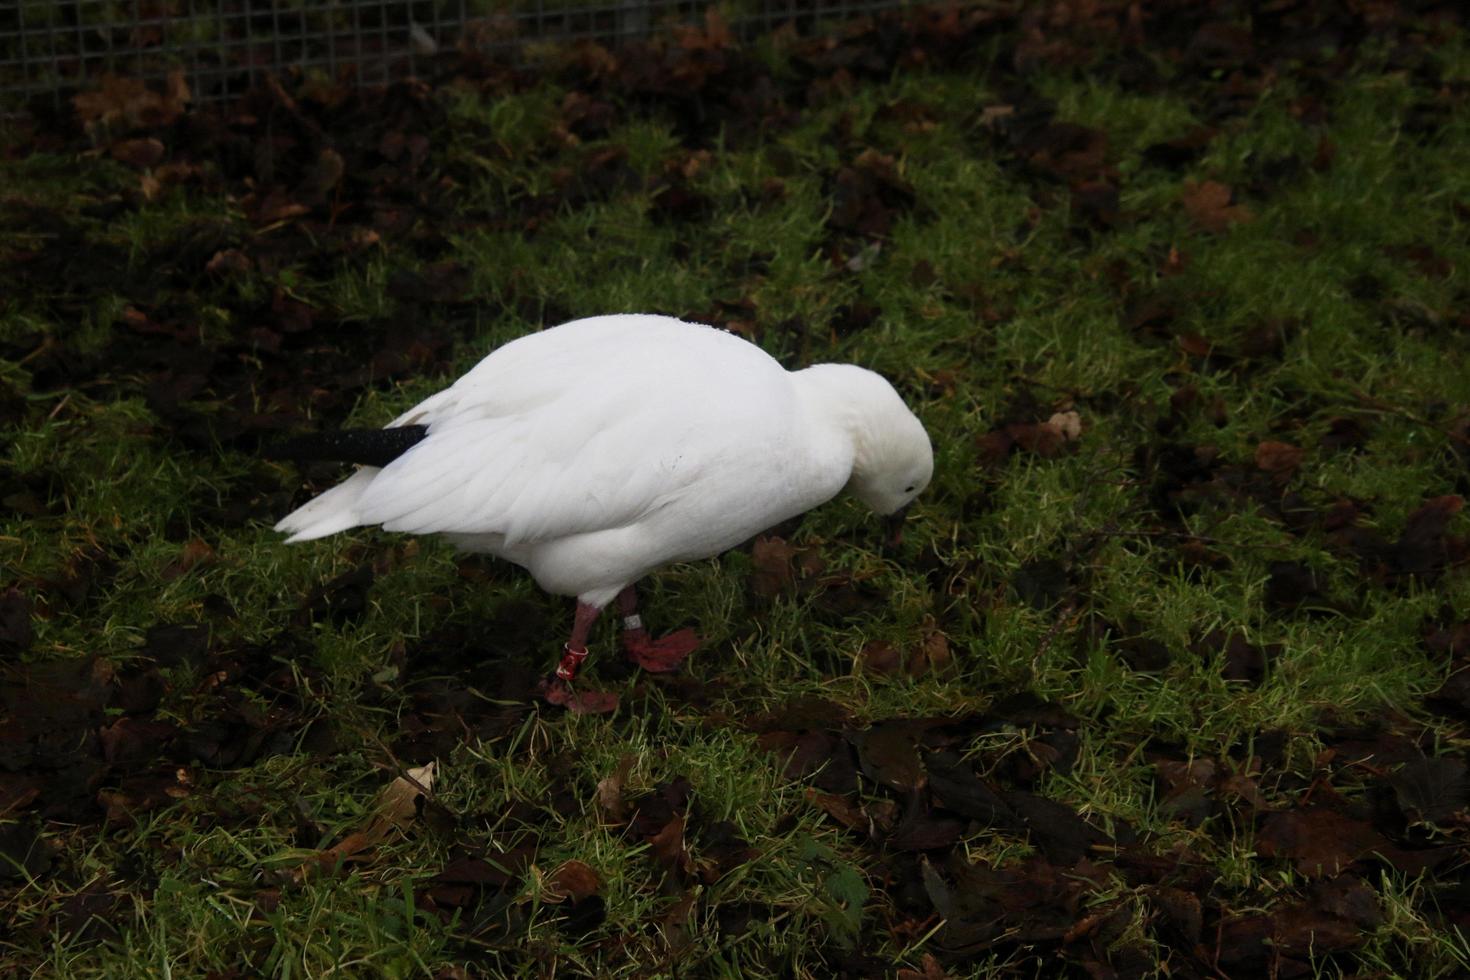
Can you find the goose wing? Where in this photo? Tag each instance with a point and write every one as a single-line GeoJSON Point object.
{"type": "Point", "coordinates": [588, 426]}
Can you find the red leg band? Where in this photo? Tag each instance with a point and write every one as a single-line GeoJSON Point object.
{"type": "Point", "coordinates": [570, 661]}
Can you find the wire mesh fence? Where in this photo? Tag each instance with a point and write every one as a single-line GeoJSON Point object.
{"type": "Point", "coordinates": [50, 49]}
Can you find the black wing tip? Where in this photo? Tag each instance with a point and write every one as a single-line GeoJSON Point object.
{"type": "Point", "coordinates": [370, 447]}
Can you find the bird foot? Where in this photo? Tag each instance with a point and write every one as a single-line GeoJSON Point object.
{"type": "Point", "coordinates": [558, 692]}
{"type": "Point", "coordinates": [661, 655]}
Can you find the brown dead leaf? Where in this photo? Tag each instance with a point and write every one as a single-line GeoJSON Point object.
{"type": "Point", "coordinates": [111, 101]}
{"type": "Point", "coordinates": [584, 702]}
{"type": "Point", "coordinates": [772, 557]}
{"type": "Point", "coordinates": [1195, 345]}
{"type": "Point", "coordinates": [668, 847]}
{"type": "Point", "coordinates": [363, 238]}
{"type": "Point", "coordinates": [17, 792]}
{"type": "Point", "coordinates": [1046, 439]}
{"type": "Point", "coordinates": [691, 166]}
{"type": "Point", "coordinates": [1068, 424]}
{"type": "Point", "coordinates": [876, 818]}
{"type": "Point", "coordinates": [1037, 437]}
{"type": "Point", "coordinates": [272, 208]}
{"type": "Point", "coordinates": [574, 880]}
{"type": "Point", "coordinates": [395, 809]}
{"type": "Point", "coordinates": [991, 115]}
{"type": "Point", "coordinates": [714, 35]}
{"type": "Point", "coordinates": [839, 808]}
{"type": "Point", "coordinates": [145, 792]}
{"type": "Point", "coordinates": [929, 655]}
{"type": "Point", "coordinates": [610, 790]}
{"type": "Point", "coordinates": [1175, 263]}
{"type": "Point", "coordinates": [342, 850]}
{"type": "Point", "coordinates": [129, 102]}
{"type": "Point", "coordinates": [321, 177]}
{"type": "Point", "coordinates": [994, 446]}
{"type": "Point", "coordinates": [1317, 840]}
{"type": "Point", "coordinates": [195, 553]}
{"type": "Point", "coordinates": [16, 630]}
{"type": "Point", "coordinates": [141, 154]}
{"type": "Point", "coordinates": [880, 657]}
{"type": "Point", "coordinates": [889, 755]}
{"type": "Point", "coordinates": [1280, 459]}
{"type": "Point", "coordinates": [932, 655]}
{"type": "Point", "coordinates": [1245, 787]}
{"type": "Point", "coordinates": [931, 970]}
{"type": "Point", "coordinates": [779, 565]}
{"type": "Point", "coordinates": [675, 922]}
{"type": "Point", "coordinates": [176, 92]}
{"type": "Point", "coordinates": [1208, 205]}
{"type": "Point", "coordinates": [397, 804]}
{"type": "Point", "coordinates": [228, 261]}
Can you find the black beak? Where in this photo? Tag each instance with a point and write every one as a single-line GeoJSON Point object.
{"type": "Point", "coordinates": [893, 529]}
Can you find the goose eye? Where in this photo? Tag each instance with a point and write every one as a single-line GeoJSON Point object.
{"type": "Point", "coordinates": [909, 488]}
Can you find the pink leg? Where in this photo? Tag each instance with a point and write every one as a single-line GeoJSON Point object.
{"type": "Point", "coordinates": [655, 656]}
{"type": "Point", "coordinates": [558, 690]}
{"type": "Point", "coordinates": [576, 648]}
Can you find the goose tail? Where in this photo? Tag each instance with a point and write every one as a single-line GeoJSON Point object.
{"type": "Point", "coordinates": [329, 512]}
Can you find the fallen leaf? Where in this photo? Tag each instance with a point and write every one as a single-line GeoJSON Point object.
{"type": "Point", "coordinates": [572, 880]}
{"type": "Point", "coordinates": [992, 114]}
{"type": "Point", "coordinates": [610, 789]}
{"type": "Point", "coordinates": [1070, 151]}
{"type": "Point", "coordinates": [1182, 909]}
{"type": "Point", "coordinates": [1068, 424]}
{"type": "Point", "coordinates": [956, 787]}
{"type": "Point", "coordinates": [667, 847]}
{"type": "Point", "coordinates": [1424, 547]}
{"type": "Point", "coordinates": [24, 852]}
{"type": "Point", "coordinates": [141, 154]}
{"type": "Point", "coordinates": [921, 828]}
{"type": "Point", "coordinates": [397, 803]}
{"type": "Point", "coordinates": [1208, 205]}
{"type": "Point", "coordinates": [1319, 841]}
{"type": "Point", "coordinates": [931, 970]}
{"type": "Point", "coordinates": [780, 565]}
{"type": "Point", "coordinates": [195, 553]}
{"type": "Point", "coordinates": [890, 757]}
{"type": "Point", "coordinates": [1433, 790]}
{"type": "Point", "coordinates": [880, 657]}
{"type": "Point", "coordinates": [129, 102]}
{"type": "Point", "coordinates": [16, 633]}
{"type": "Point", "coordinates": [144, 792]}
{"type": "Point", "coordinates": [772, 557]}
{"type": "Point", "coordinates": [229, 261]}
{"type": "Point", "coordinates": [579, 702]}
{"type": "Point", "coordinates": [321, 177]}
{"type": "Point", "coordinates": [1280, 459]}
{"type": "Point", "coordinates": [1057, 829]}
{"type": "Point", "coordinates": [932, 654]}
{"type": "Point", "coordinates": [394, 809]}
{"type": "Point", "coordinates": [842, 809]}
{"type": "Point", "coordinates": [1293, 584]}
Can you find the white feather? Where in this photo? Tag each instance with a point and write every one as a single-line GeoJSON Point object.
{"type": "Point", "coordinates": [329, 512]}
{"type": "Point", "coordinates": [596, 451]}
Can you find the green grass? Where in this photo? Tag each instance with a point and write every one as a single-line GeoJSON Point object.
{"type": "Point", "coordinates": [985, 300]}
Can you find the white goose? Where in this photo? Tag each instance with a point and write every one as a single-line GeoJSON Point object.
{"type": "Point", "coordinates": [595, 452]}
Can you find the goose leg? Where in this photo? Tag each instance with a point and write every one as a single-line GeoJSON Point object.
{"type": "Point", "coordinates": [575, 650]}
{"type": "Point", "coordinates": [558, 689]}
{"type": "Point", "coordinates": [656, 656]}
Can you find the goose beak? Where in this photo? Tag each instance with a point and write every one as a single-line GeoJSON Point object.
{"type": "Point", "coordinates": [893, 529]}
